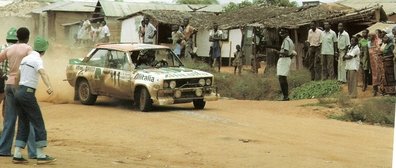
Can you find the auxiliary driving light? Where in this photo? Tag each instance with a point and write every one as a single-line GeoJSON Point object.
{"type": "Point", "coordinates": [177, 93]}
{"type": "Point", "coordinates": [202, 82]}
{"type": "Point", "coordinates": [198, 92]}
{"type": "Point", "coordinates": [172, 84]}
{"type": "Point", "coordinates": [166, 84]}
{"type": "Point", "coordinates": [208, 82]}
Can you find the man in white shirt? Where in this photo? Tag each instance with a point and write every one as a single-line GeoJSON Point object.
{"type": "Point", "coordinates": [328, 42]}
{"type": "Point", "coordinates": [352, 62]}
{"type": "Point", "coordinates": [149, 32]}
{"type": "Point", "coordinates": [343, 43]}
{"type": "Point", "coordinates": [30, 69]}
{"type": "Point", "coordinates": [104, 34]}
{"type": "Point", "coordinates": [313, 60]}
{"type": "Point", "coordinates": [215, 37]}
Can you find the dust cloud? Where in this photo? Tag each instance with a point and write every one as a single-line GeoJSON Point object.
{"type": "Point", "coordinates": [55, 62]}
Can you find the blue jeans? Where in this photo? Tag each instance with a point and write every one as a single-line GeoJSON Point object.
{"type": "Point", "coordinates": [7, 136]}
{"type": "Point", "coordinates": [29, 112]}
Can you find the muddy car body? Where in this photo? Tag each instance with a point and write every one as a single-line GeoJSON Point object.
{"type": "Point", "coordinates": [148, 74]}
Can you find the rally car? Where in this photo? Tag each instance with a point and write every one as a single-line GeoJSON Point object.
{"type": "Point", "coordinates": [147, 74]}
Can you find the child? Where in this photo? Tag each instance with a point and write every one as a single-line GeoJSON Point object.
{"type": "Point", "coordinates": [237, 62]}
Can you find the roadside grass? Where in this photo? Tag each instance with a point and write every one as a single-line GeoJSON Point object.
{"type": "Point", "coordinates": [250, 86]}
{"type": "Point", "coordinates": [373, 111]}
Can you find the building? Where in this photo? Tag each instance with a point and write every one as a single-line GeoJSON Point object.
{"type": "Point", "coordinates": [49, 19]}
{"type": "Point", "coordinates": [111, 11]}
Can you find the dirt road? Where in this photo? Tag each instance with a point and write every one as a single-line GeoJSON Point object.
{"type": "Point", "coordinates": [229, 133]}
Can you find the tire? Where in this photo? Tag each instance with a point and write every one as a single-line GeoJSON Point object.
{"type": "Point", "coordinates": [199, 104]}
{"type": "Point", "coordinates": [84, 93]}
{"type": "Point", "coordinates": [144, 102]}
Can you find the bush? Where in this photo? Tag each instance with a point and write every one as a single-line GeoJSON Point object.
{"type": "Point", "coordinates": [250, 86]}
{"type": "Point", "coordinates": [376, 110]}
{"type": "Point", "coordinates": [316, 89]}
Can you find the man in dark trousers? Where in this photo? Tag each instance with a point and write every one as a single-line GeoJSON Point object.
{"type": "Point", "coordinates": [284, 62]}
{"type": "Point", "coordinates": [31, 68]}
{"type": "Point", "coordinates": [313, 60]}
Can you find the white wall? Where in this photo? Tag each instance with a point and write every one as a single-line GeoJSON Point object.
{"type": "Point", "coordinates": [129, 29]}
{"type": "Point", "coordinates": [203, 44]}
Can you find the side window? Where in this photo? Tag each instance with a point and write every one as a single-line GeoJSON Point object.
{"type": "Point", "coordinates": [118, 60]}
{"type": "Point", "coordinates": [98, 58]}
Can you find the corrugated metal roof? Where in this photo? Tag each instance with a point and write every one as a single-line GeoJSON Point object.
{"type": "Point", "coordinates": [67, 6]}
{"type": "Point", "coordinates": [120, 9]}
{"type": "Point", "coordinates": [389, 6]}
{"type": "Point", "coordinates": [381, 26]}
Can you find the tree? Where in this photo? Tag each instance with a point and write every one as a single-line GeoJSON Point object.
{"type": "Point", "coordinates": [197, 2]}
{"type": "Point", "coordinates": [234, 6]}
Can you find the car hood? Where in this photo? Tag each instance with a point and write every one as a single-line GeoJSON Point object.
{"type": "Point", "coordinates": [175, 73]}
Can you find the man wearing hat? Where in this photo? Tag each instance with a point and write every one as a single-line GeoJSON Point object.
{"type": "Point", "coordinates": [13, 55]}
{"type": "Point", "coordinates": [11, 38]}
{"type": "Point", "coordinates": [30, 69]}
{"type": "Point", "coordinates": [283, 66]}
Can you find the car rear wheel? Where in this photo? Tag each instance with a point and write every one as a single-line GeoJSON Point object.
{"type": "Point", "coordinates": [84, 93]}
{"type": "Point", "coordinates": [144, 101]}
{"type": "Point", "coordinates": [199, 104]}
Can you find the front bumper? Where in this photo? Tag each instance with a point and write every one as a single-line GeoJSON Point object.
{"type": "Point", "coordinates": [169, 96]}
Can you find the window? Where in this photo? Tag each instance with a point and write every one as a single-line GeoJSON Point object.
{"type": "Point", "coordinates": [155, 58]}
{"type": "Point", "coordinates": [98, 58]}
{"type": "Point", "coordinates": [118, 60]}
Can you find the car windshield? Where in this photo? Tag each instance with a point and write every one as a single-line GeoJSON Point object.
{"type": "Point", "coordinates": [155, 58]}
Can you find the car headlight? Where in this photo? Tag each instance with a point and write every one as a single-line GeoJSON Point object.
{"type": "Point", "coordinates": [202, 82]}
{"type": "Point", "coordinates": [166, 84]}
{"type": "Point", "coordinates": [208, 82]}
{"type": "Point", "coordinates": [172, 84]}
{"type": "Point", "coordinates": [178, 94]}
{"type": "Point", "coordinates": [198, 92]}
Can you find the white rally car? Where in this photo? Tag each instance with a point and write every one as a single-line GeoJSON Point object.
{"type": "Point", "coordinates": [147, 74]}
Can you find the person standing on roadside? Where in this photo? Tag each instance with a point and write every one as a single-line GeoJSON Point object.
{"type": "Point", "coordinates": [188, 32]}
{"type": "Point", "coordinates": [284, 62]}
{"type": "Point", "coordinates": [328, 42]}
{"type": "Point", "coordinates": [313, 60]}
{"type": "Point", "coordinates": [11, 39]}
{"type": "Point", "coordinates": [104, 34]}
{"type": "Point", "coordinates": [365, 58]}
{"type": "Point", "coordinates": [149, 31]}
{"type": "Point", "coordinates": [215, 37]}
{"type": "Point", "coordinates": [237, 62]}
{"type": "Point", "coordinates": [343, 42]}
{"type": "Point", "coordinates": [352, 62]}
{"type": "Point", "coordinates": [13, 55]}
{"type": "Point", "coordinates": [30, 69]}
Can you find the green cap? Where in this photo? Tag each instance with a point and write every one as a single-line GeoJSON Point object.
{"type": "Point", "coordinates": [40, 44]}
{"type": "Point", "coordinates": [12, 34]}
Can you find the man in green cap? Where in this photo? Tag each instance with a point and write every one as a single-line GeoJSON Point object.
{"type": "Point", "coordinates": [30, 69]}
{"type": "Point", "coordinates": [11, 39]}
{"type": "Point", "coordinates": [13, 55]}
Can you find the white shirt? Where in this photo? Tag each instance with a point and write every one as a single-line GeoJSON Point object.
{"type": "Point", "coordinates": [353, 64]}
{"type": "Point", "coordinates": [343, 40]}
{"type": "Point", "coordinates": [148, 33]}
{"type": "Point", "coordinates": [314, 37]}
{"type": "Point", "coordinates": [328, 39]}
{"type": "Point", "coordinates": [212, 34]}
{"type": "Point", "coordinates": [30, 65]}
{"type": "Point", "coordinates": [104, 31]}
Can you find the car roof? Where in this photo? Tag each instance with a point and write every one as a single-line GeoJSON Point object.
{"type": "Point", "coordinates": [129, 46]}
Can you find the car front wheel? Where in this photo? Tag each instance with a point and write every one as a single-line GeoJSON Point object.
{"type": "Point", "coordinates": [145, 104]}
{"type": "Point", "coordinates": [84, 93]}
{"type": "Point", "coordinates": [199, 104]}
